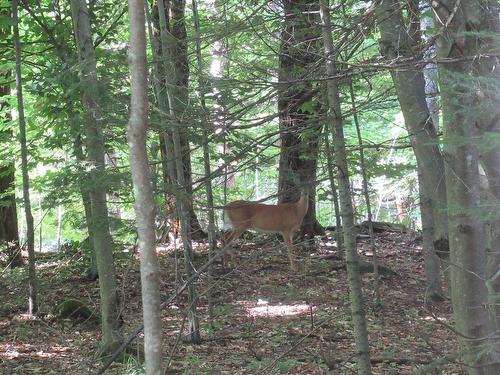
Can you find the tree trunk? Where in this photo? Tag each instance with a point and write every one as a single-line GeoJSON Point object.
{"type": "Point", "coordinates": [220, 70]}
{"type": "Point", "coordinates": [178, 51]}
{"type": "Point", "coordinates": [395, 42]}
{"type": "Point", "coordinates": [165, 137]}
{"type": "Point", "coordinates": [355, 292]}
{"type": "Point", "coordinates": [183, 204]}
{"type": "Point", "coordinates": [366, 194]}
{"type": "Point", "coordinates": [488, 123]}
{"type": "Point", "coordinates": [457, 52]}
{"type": "Point", "coordinates": [9, 231]}
{"type": "Point", "coordinates": [212, 238]}
{"type": "Point", "coordinates": [68, 58]}
{"type": "Point", "coordinates": [298, 108]}
{"type": "Point", "coordinates": [110, 312]}
{"type": "Point", "coordinates": [430, 70]}
{"type": "Point", "coordinates": [144, 203]}
{"type": "Point", "coordinates": [92, 272]}
{"type": "Point", "coordinates": [30, 231]}
{"type": "Point", "coordinates": [60, 216]}
{"type": "Point", "coordinates": [40, 223]}
{"type": "Point", "coordinates": [335, 195]}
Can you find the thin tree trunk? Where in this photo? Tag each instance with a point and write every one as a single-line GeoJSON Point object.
{"type": "Point", "coordinates": [67, 58]}
{"type": "Point", "coordinates": [110, 311]}
{"type": "Point", "coordinates": [32, 280]}
{"type": "Point", "coordinates": [92, 272]}
{"type": "Point", "coordinates": [335, 195]}
{"type": "Point", "coordinates": [144, 203]}
{"type": "Point", "coordinates": [366, 194]}
{"type": "Point", "coordinates": [182, 194]}
{"type": "Point", "coordinates": [40, 223]}
{"type": "Point", "coordinates": [60, 215]}
{"type": "Point", "coordinates": [165, 138]}
{"type": "Point", "coordinates": [212, 238]}
{"type": "Point", "coordinates": [178, 51]}
{"type": "Point", "coordinates": [357, 308]}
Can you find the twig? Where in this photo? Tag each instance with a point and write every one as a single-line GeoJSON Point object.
{"type": "Point", "coordinates": [268, 368]}
{"type": "Point", "coordinates": [172, 352]}
{"type": "Point", "coordinates": [139, 328]}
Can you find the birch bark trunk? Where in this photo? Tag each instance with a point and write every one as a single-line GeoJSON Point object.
{"type": "Point", "coordinates": [144, 203]}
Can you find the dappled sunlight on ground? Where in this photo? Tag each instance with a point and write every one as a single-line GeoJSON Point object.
{"type": "Point", "coordinates": [44, 265]}
{"type": "Point", "coordinates": [12, 351]}
{"type": "Point", "coordinates": [264, 315]}
{"type": "Point", "coordinates": [435, 318]}
{"type": "Point", "coordinates": [262, 308]}
{"type": "Point", "coordinates": [178, 246]}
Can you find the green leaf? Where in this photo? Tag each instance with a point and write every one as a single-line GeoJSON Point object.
{"type": "Point", "coordinates": [6, 21]}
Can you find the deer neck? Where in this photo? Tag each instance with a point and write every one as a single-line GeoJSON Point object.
{"type": "Point", "coordinates": [303, 204]}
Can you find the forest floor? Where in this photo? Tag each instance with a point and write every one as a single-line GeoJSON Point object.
{"type": "Point", "coordinates": [267, 319]}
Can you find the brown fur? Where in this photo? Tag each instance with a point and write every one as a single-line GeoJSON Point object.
{"type": "Point", "coordinates": [284, 218]}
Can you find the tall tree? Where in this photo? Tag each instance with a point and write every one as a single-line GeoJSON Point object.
{"type": "Point", "coordinates": [30, 231]}
{"type": "Point", "coordinates": [179, 70]}
{"type": "Point", "coordinates": [165, 136]}
{"type": "Point", "coordinates": [68, 58]}
{"type": "Point", "coordinates": [212, 238]}
{"type": "Point", "coordinates": [458, 46]}
{"type": "Point", "coordinates": [9, 232]}
{"type": "Point", "coordinates": [346, 209]}
{"type": "Point", "coordinates": [110, 312]}
{"type": "Point", "coordinates": [366, 195]}
{"type": "Point", "coordinates": [487, 69]}
{"type": "Point", "coordinates": [144, 203]}
{"type": "Point", "coordinates": [398, 42]}
{"type": "Point", "coordinates": [298, 106]}
{"type": "Point", "coordinates": [175, 91]}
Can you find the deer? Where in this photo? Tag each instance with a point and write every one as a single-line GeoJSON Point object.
{"type": "Point", "coordinates": [284, 218]}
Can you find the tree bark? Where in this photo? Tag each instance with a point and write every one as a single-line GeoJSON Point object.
{"type": "Point", "coordinates": [488, 122]}
{"type": "Point", "coordinates": [335, 195]}
{"type": "Point", "coordinates": [366, 194]}
{"type": "Point", "coordinates": [457, 52]}
{"type": "Point", "coordinates": [298, 108]}
{"type": "Point", "coordinates": [30, 231]}
{"type": "Point", "coordinates": [92, 271]}
{"type": "Point", "coordinates": [110, 312]}
{"type": "Point", "coordinates": [178, 50]}
{"type": "Point", "coordinates": [395, 43]}
{"type": "Point", "coordinates": [355, 291]}
{"type": "Point", "coordinates": [144, 204]}
{"type": "Point", "coordinates": [9, 231]}
{"type": "Point", "coordinates": [68, 58]}
{"type": "Point", "coordinates": [165, 137]}
{"type": "Point", "coordinates": [183, 203]}
{"type": "Point", "coordinates": [212, 236]}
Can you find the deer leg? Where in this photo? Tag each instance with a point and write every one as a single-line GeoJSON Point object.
{"type": "Point", "coordinates": [227, 242]}
{"type": "Point", "coordinates": [288, 237]}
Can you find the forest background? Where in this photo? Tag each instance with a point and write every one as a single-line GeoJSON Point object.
{"type": "Point", "coordinates": [382, 111]}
